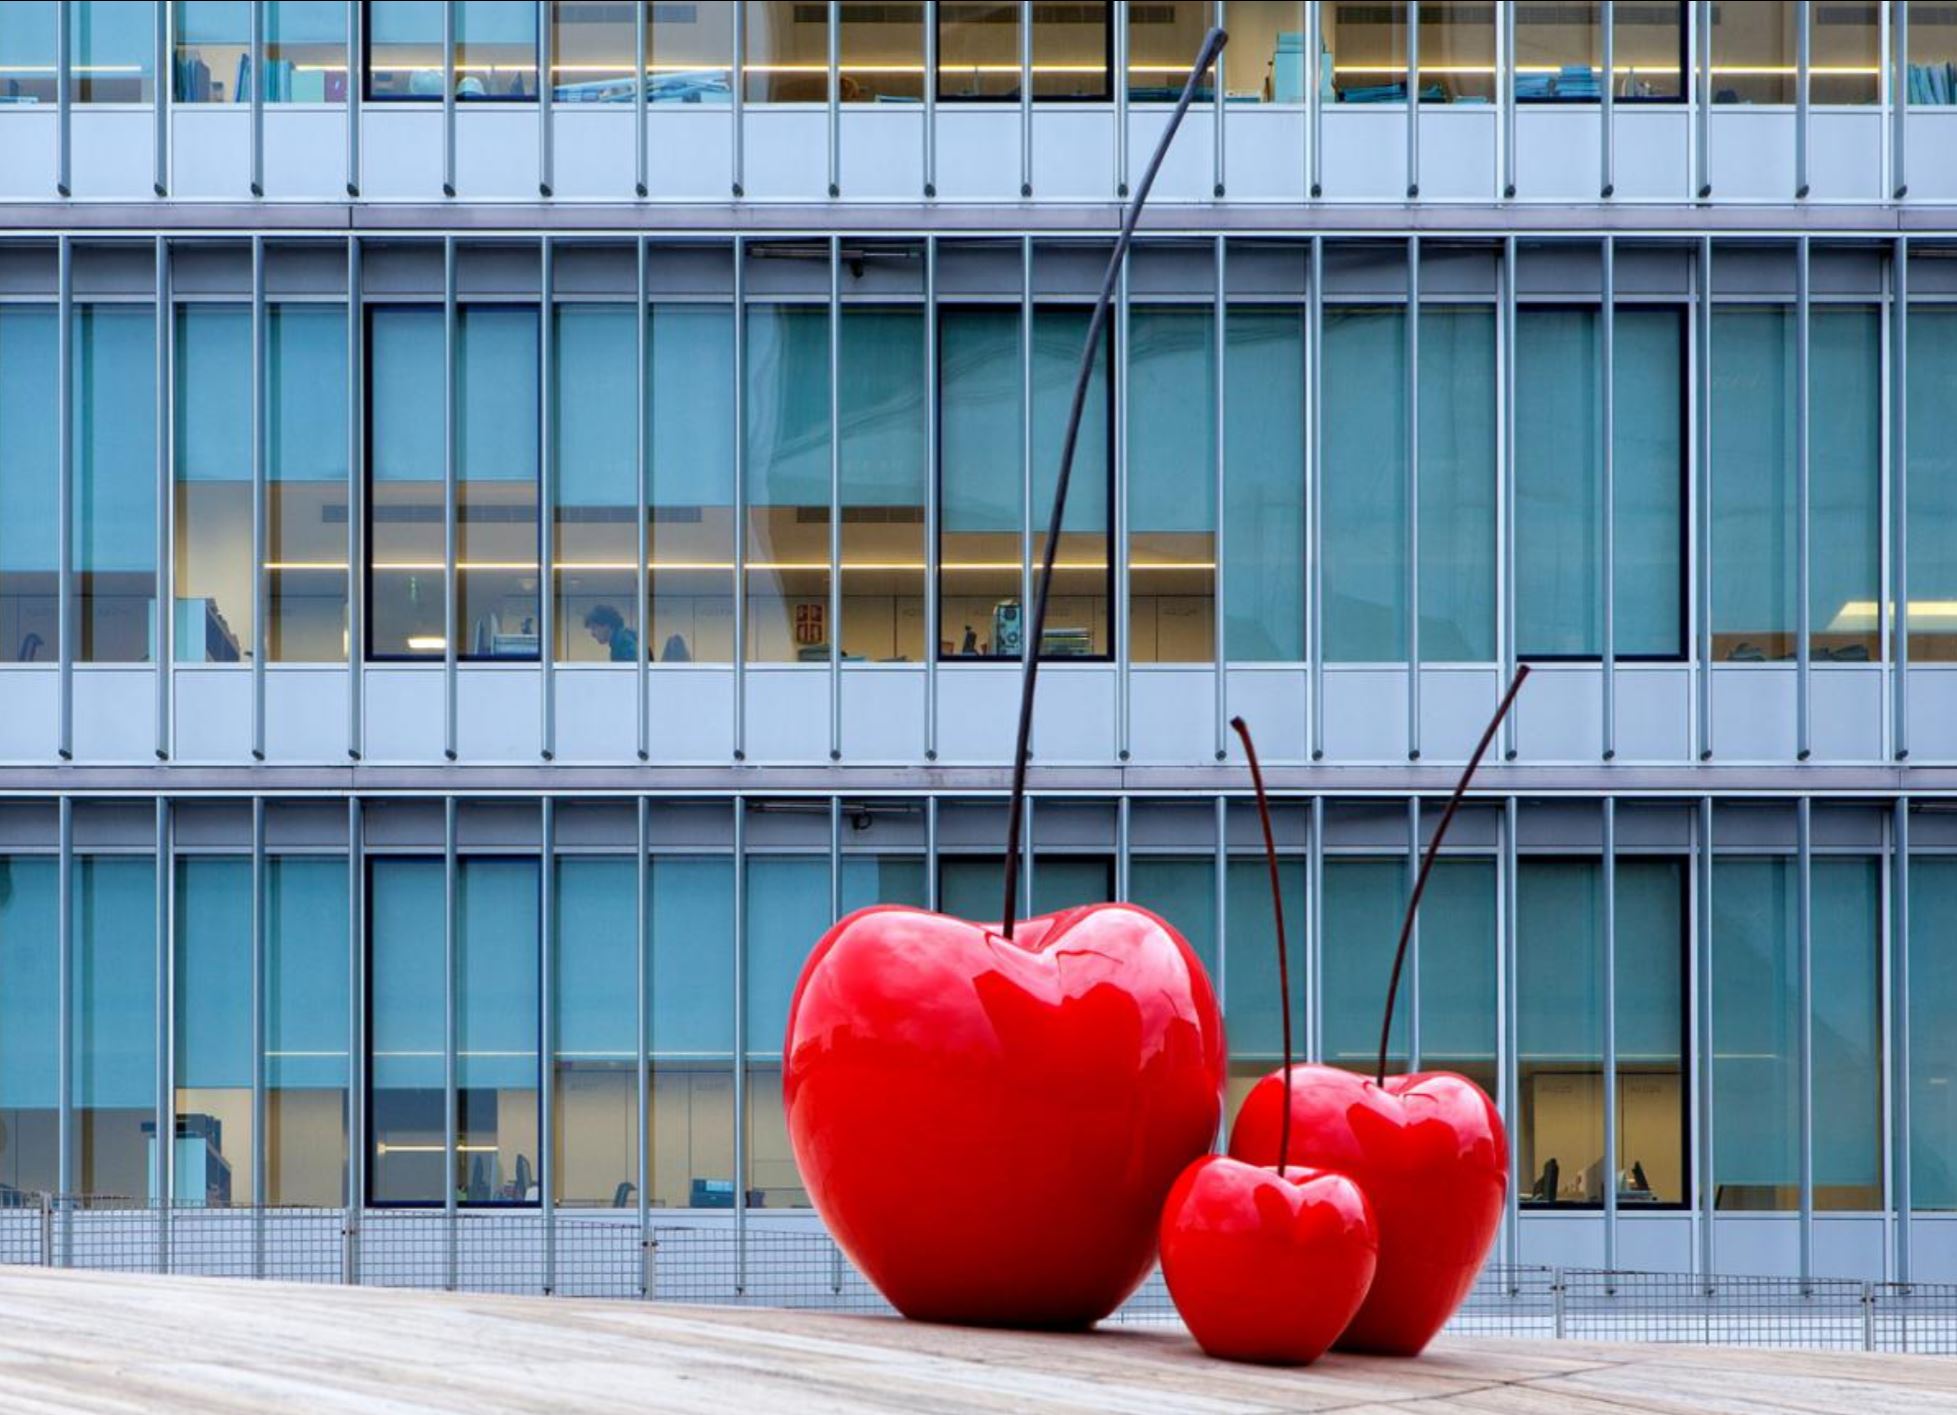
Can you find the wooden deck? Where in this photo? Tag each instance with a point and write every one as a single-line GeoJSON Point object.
{"type": "Point", "coordinates": [111, 1342]}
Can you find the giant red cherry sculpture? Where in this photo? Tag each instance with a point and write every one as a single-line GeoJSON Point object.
{"type": "Point", "coordinates": [989, 1125]}
{"type": "Point", "coordinates": [1428, 1150]}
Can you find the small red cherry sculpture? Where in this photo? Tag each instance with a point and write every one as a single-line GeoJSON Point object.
{"type": "Point", "coordinates": [1265, 1267]}
{"type": "Point", "coordinates": [989, 1125]}
{"type": "Point", "coordinates": [1431, 1155]}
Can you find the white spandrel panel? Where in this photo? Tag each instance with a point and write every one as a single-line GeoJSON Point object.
{"type": "Point", "coordinates": [882, 151]}
{"type": "Point", "coordinates": [305, 152]}
{"type": "Point", "coordinates": [210, 152]}
{"type": "Point", "coordinates": [30, 727]}
{"type": "Point", "coordinates": [883, 715]}
{"type": "Point", "coordinates": [212, 719]}
{"type": "Point", "coordinates": [28, 139]}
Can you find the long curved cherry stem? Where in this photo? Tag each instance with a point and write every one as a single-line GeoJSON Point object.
{"type": "Point", "coordinates": [1213, 43]}
{"type": "Point", "coordinates": [1283, 956]}
{"type": "Point", "coordinates": [1427, 864]}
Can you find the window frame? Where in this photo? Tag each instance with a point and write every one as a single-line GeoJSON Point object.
{"type": "Point", "coordinates": [983, 100]}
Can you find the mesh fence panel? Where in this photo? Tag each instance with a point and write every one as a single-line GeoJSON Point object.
{"type": "Point", "coordinates": [599, 1257]}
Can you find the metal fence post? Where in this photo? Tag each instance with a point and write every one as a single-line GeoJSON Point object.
{"type": "Point", "coordinates": [1868, 1316]}
{"type": "Point", "coordinates": [47, 1229]}
{"type": "Point", "coordinates": [1556, 1300]}
{"type": "Point", "coordinates": [648, 1264]}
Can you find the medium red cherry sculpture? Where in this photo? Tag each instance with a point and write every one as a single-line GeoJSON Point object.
{"type": "Point", "coordinates": [1431, 1155]}
{"type": "Point", "coordinates": [1262, 1267]}
{"type": "Point", "coordinates": [989, 1126]}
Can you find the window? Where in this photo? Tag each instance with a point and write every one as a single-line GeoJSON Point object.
{"type": "Point", "coordinates": [594, 51]}
{"type": "Point", "coordinates": [305, 51]}
{"type": "Point", "coordinates": [787, 483]}
{"type": "Point", "coordinates": [114, 1024]}
{"type": "Point", "coordinates": [787, 910]}
{"type": "Point", "coordinates": [1559, 483]}
{"type": "Point", "coordinates": [1932, 489]}
{"type": "Point", "coordinates": [214, 599]}
{"type": "Point", "coordinates": [1163, 41]}
{"type": "Point", "coordinates": [111, 51]}
{"type": "Point", "coordinates": [979, 51]}
{"type": "Point", "coordinates": [1253, 1010]}
{"type": "Point", "coordinates": [1457, 51]}
{"type": "Point", "coordinates": [1845, 395]}
{"type": "Point", "coordinates": [30, 1054]}
{"type": "Point", "coordinates": [495, 50]}
{"type": "Point", "coordinates": [1560, 1031]}
{"type": "Point", "coordinates": [27, 52]}
{"type": "Point", "coordinates": [689, 50]}
{"type": "Point", "coordinates": [114, 366]}
{"type": "Point", "coordinates": [691, 536]}
{"type": "Point", "coordinates": [306, 483]}
{"type": "Point", "coordinates": [881, 53]}
{"type": "Point", "coordinates": [1650, 44]}
{"type": "Point", "coordinates": [29, 539]}
{"type": "Point", "coordinates": [1559, 51]}
{"type": "Point", "coordinates": [1754, 47]}
{"type": "Point", "coordinates": [786, 58]}
{"type": "Point", "coordinates": [214, 1152]}
{"type": "Point", "coordinates": [885, 462]}
{"type": "Point", "coordinates": [1846, 972]}
{"type": "Point", "coordinates": [596, 1027]}
{"type": "Point", "coordinates": [972, 887]}
{"type": "Point", "coordinates": [692, 1009]}
{"type": "Point", "coordinates": [1845, 52]}
{"type": "Point", "coordinates": [1171, 484]}
{"type": "Point", "coordinates": [307, 1014]}
{"type": "Point", "coordinates": [1755, 535]}
{"type": "Point", "coordinates": [1264, 485]}
{"type": "Point", "coordinates": [1932, 1041]}
{"type": "Point", "coordinates": [1365, 48]}
{"type": "Point", "coordinates": [1267, 58]}
{"type": "Point", "coordinates": [408, 1104]}
{"type": "Point", "coordinates": [406, 454]}
{"type": "Point", "coordinates": [594, 524]}
{"type": "Point", "coordinates": [1932, 73]}
{"type": "Point", "coordinates": [404, 50]}
{"type": "Point", "coordinates": [1457, 485]}
{"type": "Point", "coordinates": [213, 58]}
{"type": "Point", "coordinates": [1182, 889]}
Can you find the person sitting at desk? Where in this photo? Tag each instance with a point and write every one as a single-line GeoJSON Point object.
{"type": "Point", "coordinates": [607, 626]}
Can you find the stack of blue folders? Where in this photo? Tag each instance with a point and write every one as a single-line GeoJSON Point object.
{"type": "Point", "coordinates": [1934, 84]}
{"type": "Point", "coordinates": [1573, 83]}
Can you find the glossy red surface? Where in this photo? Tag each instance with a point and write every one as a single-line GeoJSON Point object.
{"type": "Point", "coordinates": [1264, 1268]}
{"type": "Point", "coordinates": [1429, 1152]}
{"type": "Point", "coordinates": [989, 1127]}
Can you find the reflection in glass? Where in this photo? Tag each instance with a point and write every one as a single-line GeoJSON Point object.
{"type": "Point", "coordinates": [213, 485]}
{"type": "Point", "coordinates": [1754, 48]}
{"type": "Point", "coordinates": [884, 465]}
{"type": "Point", "coordinates": [213, 1032]}
{"type": "Point", "coordinates": [114, 366]}
{"type": "Point", "coordinates": [404, 50]}
{"type": "Point", "coordinates": [27, 52]}
{"type": "Point", "coordinates": [406, 454]}
{"type": "Point", "coordinates": [1171, 480]}
{"type": "Point", "coordinates": [1364, 500]}
{"type": "Point", "coordinates": [496, 452]}
{"type": "Point", "coordinates": [1072, 52]}
{"type": "Point", "coordinates": [881, 53]}
{"type": "Point", "coordinates": [594, 1072]}
{"type": "Point", "coordinates": [496, 1032]}
{"type": "Point", "coordinates": [1845, 51]}
{"type": "Point", "coordinates": [594, 522]}
{"type": "Point", "coordinates": [111, 51]}
{"type": "Point", "coordinates": [305, 51]}
{"type": "Point", "coordinates": [1267, 58]}
{"type": "Point", "coordinates": [1845, 481]}
{"type": "Point", "coordinates": [408, 1101]}
{"type": "Point", "coordinates": [306, 483]}
{"type": "Point", "coordinates": [1755, 533]}
{"type": "Point", "coordinates": [978, 49]}
{"type": "Point", "coordinates": [786, 58]}
{"type": "Point", "coordinates": [691, 451]}
{"type": "Point", "coordinates": [1364, 59]}
{"type": "Point", "coordinates": [1932, 71]}
{"type": "Point", "coordinates": [1457, 51]}
{"type": "Point", "coordinates": [1932, 484]}
{"type": "Point", "coordinates": [1649, 39]}
{"type": "Point", "coordinates": [786, 896]}
{"type": "Point", "coordinates": [1163, 40]}
{"type": "Point", "coordinates": [1456, 974]}
{"type": "Point", "coordinates": [689, 51]}
{"type": "Point", "coordinates": [1457, 485]}
{"type": "Point", "coordinates": [970, 887]}
{"type": "Point", "coordinates": [692, 1009]}
{"type": "Point", "coordinates": [212, 63]}
{"type": "Point", "coordinates": [114, 1026]}
{"type": "Point", "coordinates": [306, 1020]}
{"type": "Point", "coordinates": [30, 1051]}
{"type": "Point", "coordinates": [594, 51]}
{"type": "Point", "coordinates": [1264, 485]}
{"type": "Point", "coordinates": [787, 484]}
{"type": "Point", "coordinates": [30, 542]}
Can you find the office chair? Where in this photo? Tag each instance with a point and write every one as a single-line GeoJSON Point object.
{"type": "Point", "coordinates": [622, 1195]}
{"type": "Point", "coordinates": [1551, 1180]}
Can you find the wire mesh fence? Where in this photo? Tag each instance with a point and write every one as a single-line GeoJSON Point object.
{"type": "Point", "coordinates": [792, 1264]}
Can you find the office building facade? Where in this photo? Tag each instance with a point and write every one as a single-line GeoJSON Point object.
{"type": "Point", "coordinates": [515, 519]}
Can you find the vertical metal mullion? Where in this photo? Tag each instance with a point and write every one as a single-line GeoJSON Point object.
{"type": "Point", "coordinates": [1702, 470]}
{"type": "Point", "coordinates": [1413, 99]}
{"type": "Point", "coordinates": [641, 427]}
{"type": "Point", "coordinates": [1804, 986]}
{"type": "Point", "coordinates": [1702, 1069]}
{"type": "Point", "coordinates": [639, 79]}
{"type": "Point", "coordinates": [260, 1149]}
{"type": "Point", "coordinates": [546, 152]}
{"type": "Point", "coordinates": [1123, 569]}
{"type": "Point", "coordinates": [1898, 615]}
{"type": "Point", "coordinates": [740, 1044]}
{"type": "Point", "coordinates": [1412, 870]}
{"type": "Point", "coordinates": [1219, 153]}
{"type": "Point", "coordinates": [1898, 1031]}
{"type": "Point", "coordinates": [739, 402]}
{"type": "Point", "coordinates": [1314, 485]}
{"type": "Point", "coordinates": [160, 101]}
{"type": "Point", "coordinates": [835, 859]}
{"type": "Point", "coordinates": [642, 1018]}
{"type": "Point", "coordinates": [835, 102]}
{"type": "Point", "coordinates": [356, 1116]}
{"type": "Point", "coordinates": [1886, 998]}
{"type": "Point", "coordinates": [356, 80]}
{"type": "Point", "coordinates": [547, 500]}
{"type": "Point", "coordinates": [737, 112]}
{"type": "Point", "coordinates": [1124, 833]}
{"type": "Point", "coordinates": [1220, 899]}
{"type": "Point", "coordinates": [1803, 41]}
{"type": "Point", "coordinates": [166, 502]}
{"type": "Point", "coordinates": [1027, 854]}
{"type": "Point", "coordinates": [931, 853]}
{"type": "Point", "coordinates": [64, 1023]}
{"type": "Point", "coordinates": [1027, 648]}
{"type": "Point", "coordinates": [1606, 111]}
{"type": "Point", "coordinates": [64, 108]}
{"type": "Point", "coordinates": [1314, 931]}
{"type": "Point", "coordinates": [1505, 91]}
{"type": "Point", "coordinates": [547, 1033]}
{"type": "Point", "coordinates": [835, 551]}
{"type": "Point", "coordinates": [450, 972]}
{"type": "Point", "coordinates": [356, 586]}
{"type": "Point", "coordinates": [1607, 461]}
{"type": "Point", "coordinates": [64, 343]}
{"type": "Point", "coordinates": [1509, 334]}
{"type": "Point", "coordinates": [1314, 113]}
{"type": "Point", "coordinates": [448, 98]}
{"type": "Point", "coordinates": [932, 507]}
{"type": "Point", "coordinates": [1505, 1030]}
{"type": "Point", "coordinates": [1899, 101]}
{"type": "Point", "coordinates": [1702, 16]}
{"type": "Point", "coordinates": [164, 924]}
{"type": "Point", "coordinates": [260, 470]}
{"type": "Point", "coordinates": [1121, 51]}
{"type": "Point", "coordinates": [1611, 1106]}
{"type": "Point", "coordinates": [257, 97]}
{"type": "Point", "coordinates": [451, 620]}
{"type": "Point", "coordinates": [1219, 354]}
{"type": "Point", "coordinates": [1803, 396]}
{"type": "Point", "coordinates": [1412, 542]}
{"type": "Point", "coordinates": [931, 108]}
{"type": "Point", "coordinates": [1025, 99]}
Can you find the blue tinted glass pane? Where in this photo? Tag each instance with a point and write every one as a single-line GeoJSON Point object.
{"type": "Point", "coordinates": [1560, 1030]}
{"type": "Point", "coordinates": [497, 1005]}
{"type": "Point", "coordinates": [1184, 893]}
{"type": "Point", "coordinates": [692, 371]}
{"type": "Point", "coordinates": [1932, 491]}
{"type": "Point", "coordinates": [1558, 484]}
{"type": "Point", "coordinates": [787, 911]}
{"type": "Point", "coordinates": [1364, 499]}
{"type": "Point", "coordinates": [1361, 918]}
{"type": "Point", "coordinates": [1264, 486]}
{"type": "Point", "coordinates": [213, 387]}
{"type": "Point", "coordinates": [1457, 486]}
{"type": "Point", "coordinates": [1252, 1007]}
{"type": "Point", "coordinates": [693, 956]}
{"type": "Point", "coordinates": [496, 394]}
{"type": "Point", "coordinates": [306, 393]}
{"type": "Point", "coordinates": [1932, 1002]}
{"type": "Point", "coordinates": [597, 955]}
{"type": "Point", "coordinates": [881, 879]}
{"type": "Point", "coordinates": [306, 984]}
{"type": "Point", "coordinates": [1845, 481]}
{"type": "Point", "coordinates": [406, 972]}
{"type": "Point", "coordinates": [596, 419]}
{"type": "Point", "coordinates": [1847, 1062]}
{"type": "Point", "coordinates": [29, 541]}
{"type": "Point", "coordinates": [112, 50]}
{"type": "Point", "coordinates": [788, 405]}
{"type": "Point", "coordinates": [1754, 534]}
{"type": "Point", "coordinates": [1650, 1029]}
{"type": "Point", "coordinates": [1059, 335]}
{"type": "Point", "coordinates": [115, 480]}
{"type": "Point", "coordinates": [1457, 970]}
{"type": "Point", "coordinates": [29, 979]}
{"type": "Point", "coordinates": [1171, 484]}
{"type": "Point", "coordinates": [406, 395]}
{"type": "Point", "coordinates": [979, 421]}
{"type": "Point", "coordinates": [114, 982]}
{"type": "Point", "coordinates": [882, 432]}
{"type": "Point", "coordinates": [1650, 475]}
{"type": "Point", "coordinates": [27, 52]}
{"type": "Point", "coordinates": [1756, 1034]}
{"type": "Point", "coordinates": [213, 982]}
